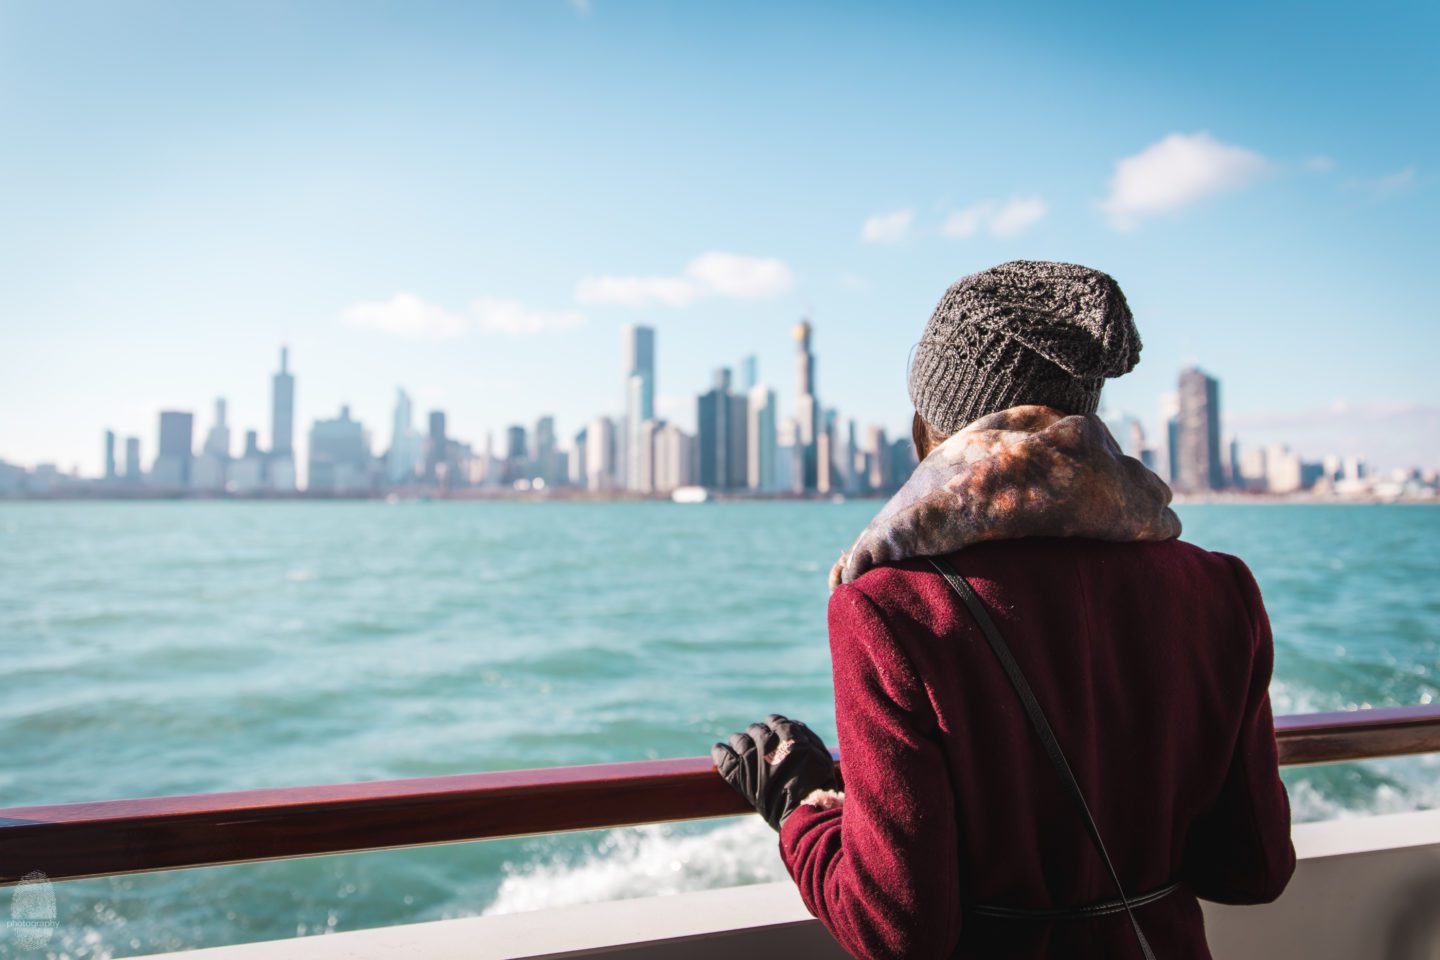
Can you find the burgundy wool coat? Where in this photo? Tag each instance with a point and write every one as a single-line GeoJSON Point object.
{"type": "Point", "coordinates": [1152, 661]}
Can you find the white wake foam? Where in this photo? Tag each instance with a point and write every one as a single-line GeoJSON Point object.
{"type": "Point", "coordinates": [645, 861]}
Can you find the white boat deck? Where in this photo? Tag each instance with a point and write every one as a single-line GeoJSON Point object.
{"type": "Point", "coordinates": [1365, 888]}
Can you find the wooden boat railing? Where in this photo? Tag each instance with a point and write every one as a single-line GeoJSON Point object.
{"type": "Point", "coordinates": [75, 840]}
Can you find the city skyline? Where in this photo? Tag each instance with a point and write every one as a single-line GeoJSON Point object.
{"type": "Point", "coordinates": [743, 441]}
{"type": "Point", "coordinates": [740, 443]}
{"type": "Point", "coordinates": [174, 209]}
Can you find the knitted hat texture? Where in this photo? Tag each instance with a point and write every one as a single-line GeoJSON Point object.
{"type": "Point", "coordinates": [1024, 332]}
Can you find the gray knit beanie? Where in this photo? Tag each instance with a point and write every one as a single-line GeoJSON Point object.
{"type": "Point", "coordinates": [1024, 332]}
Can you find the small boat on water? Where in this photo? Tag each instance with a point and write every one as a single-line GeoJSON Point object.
{"type": "Point", "coordinates": [690, 495]}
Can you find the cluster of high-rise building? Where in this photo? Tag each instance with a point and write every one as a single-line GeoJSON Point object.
{"type": "Point", "coordinates": [742, 444]}
{"type": "Point", "coordinates": [1194, 459]}
{"type": "Point", "coordinates": [214, 468]}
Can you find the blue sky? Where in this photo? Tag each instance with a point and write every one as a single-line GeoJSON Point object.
{"type": "Point", "coordinates": [470, 199]}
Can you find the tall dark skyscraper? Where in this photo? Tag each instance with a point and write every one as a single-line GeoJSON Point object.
{"type": "Point", "coordinates": [282, 409]}
{"type": "Point", "coordinates": [517, 454]}
{"type": "Point", "coordinates": [172, 463]}
{"type": "Point", "coordinates": [516, 447]}
{"type": "Point", "coordinates": [1199, 465]}
{"type": "Point", "coordinates": [714, 435]}
{"type": "Point", "coordinates": [737, 459]}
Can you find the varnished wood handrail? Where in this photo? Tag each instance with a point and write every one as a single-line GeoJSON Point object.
{"type": "Point", "coordinates": [69, 841]}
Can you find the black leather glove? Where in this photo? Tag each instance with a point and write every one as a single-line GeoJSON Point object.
{"type": "Point", "coordinates": [775, 778]}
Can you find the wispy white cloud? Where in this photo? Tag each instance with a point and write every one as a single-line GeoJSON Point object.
{"type": "Point", "coordinates": [889, 227]}
{"type": "Point", "coordinates": [1396, 182]}
{"type": "Point", "coordinates": [581, 7]}
{"type": "Point", "coordinates": [1175, 172]}
{"type": "Point", "coordinates": [714, 274]}
{"type": "Point", "coordinates": [1319, 164]}
{"type": "Point", "coordinates": [739, 277]}
{"type": "Point", "coordinates": [1008, 219]}
{"type": "Point", "coordinates": [1386, 186]}
{"type": "Point", "coordinates": [967, 221]}
{"type": "Point", "coordinates": [405, 315]}
{"type": "Point", "coordinates": [514, 317]}
{"type": "Point", "coordinates": [414, 318]}
{"type": "Point", "coordinates": [1017, 216]}
{"type": "Point", "coordinates": [636, 291]}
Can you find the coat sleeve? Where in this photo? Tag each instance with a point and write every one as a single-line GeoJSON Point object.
{"type": "Point", "coordinates": [1240, 851]}
{"type": "Point", "coordinates": [880, 870]}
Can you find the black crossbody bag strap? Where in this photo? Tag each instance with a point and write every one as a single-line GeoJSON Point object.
{"type": "Point", "coordinates": [1042, 727]}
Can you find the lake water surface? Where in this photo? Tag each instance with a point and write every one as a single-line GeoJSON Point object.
{"type": "Point", "coordinates": [182, 647]}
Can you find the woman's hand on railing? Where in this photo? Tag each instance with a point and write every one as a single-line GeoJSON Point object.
{"type": "Point", "coordinates": [775, 764]}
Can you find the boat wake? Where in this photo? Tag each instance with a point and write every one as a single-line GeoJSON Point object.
{"type": "Point", "coordinates": [665, 859]}
{"type": "Point", "coordinates": [645, 861]}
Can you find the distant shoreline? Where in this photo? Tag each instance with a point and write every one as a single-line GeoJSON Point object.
{"type": "Point", "coordinates": [467, 496]}
{"type": "Point", "coordinates": [1258, 499]}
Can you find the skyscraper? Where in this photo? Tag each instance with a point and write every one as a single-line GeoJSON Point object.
{"type": "Point", "coordinates": [1283, 470]}
{"type": "Point", "coordinates": [749, 373]}
{"type": "Point", "coordinates": [761, 439]}
{"type": "Point", "coordinates": [517, 454]}
{"type": "Point", "coordinates": [282, 426]}
{"type": "Point", "coordinates": [211, 469]}
{"type": "Point", "coordinates": [547, 464]}
{"type": "Point", "coordinates": [639, 361]}
{"type": "Point", "coordinates": [674, 459]}
{"type": "Point", "coordinates": [829, 454]}
{"type": "Point", "coordinates": [714, 434]}
{"type": "Point", "coordinates": [407, 447]}
{"type": "Point", "coordinates": [824, 462]}
{"type": "Point", "coordinates": [109, 454]}
{"type": "Point", "coordinates": [807, 408]}
{"type": "Point", "coordinates": [436, 448]}
{"type": "Point", "coordinates": [737, 471]}
{"type": "Point", "coordinates": [786, 460]}
{"type": "Point", "coordinates": [172, 464]}
{"type": "Point", "coordinates": [1170, 422]}
{"type": "Point", "coordinates": [643, 479]}
{"type": "Point", "coordinates": [517, 447]}
{"type": "Point", "coordinates": [845, 454]}
{"type": "Point", "coordinates": [282, 409]}
{"type": "Point", "coordinates": [133, 470]}
{"type": "Point", "coordinates": [600, 454]}
{"type": "Point", "coordinates": [576, 465]}
{"type": "Point", "coordinates": [340, 456]}
{"type": "Point", "coordinates": [217, 441]}
{"type": "Point", "coordinates": [879, 465]}
{"type": "Point", "coordinates": [1199, 466]}
{"type": "Point", "coordinates": [247, 474]}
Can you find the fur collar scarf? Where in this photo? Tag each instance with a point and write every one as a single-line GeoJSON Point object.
{"type": "Point", "coordinates": [1028, 471]}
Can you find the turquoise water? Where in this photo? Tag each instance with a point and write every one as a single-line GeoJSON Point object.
{"type": "Point", "coordinates": [179, 647]}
